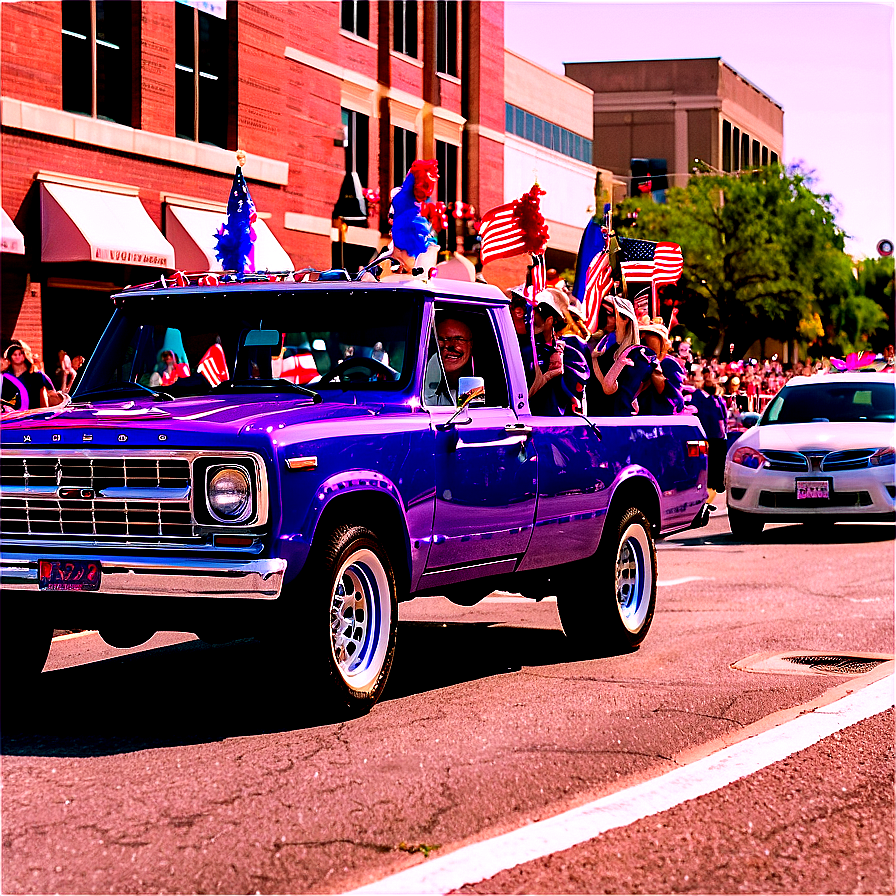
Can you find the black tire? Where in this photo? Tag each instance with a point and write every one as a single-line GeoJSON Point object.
{"type": "Point", "coordinates": [345, 615]}
{"type": "Point", "coordinates": [608, 607]}
{"type": "Point", "coordinates": [744, 525]}
{"type": "Point", "coordinates": [24, 644]}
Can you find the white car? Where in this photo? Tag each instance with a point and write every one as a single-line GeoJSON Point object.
{"type": "Point", "coordinates": [823, 450]}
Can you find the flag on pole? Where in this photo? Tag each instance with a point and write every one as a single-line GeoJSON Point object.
{"type": "Point", "coordinates": [646, 260]}
{"type": "Point", "coordinates": [597, 285]}
{"type": "Point", "coordinates": [514, 229]}
{"type": "Point", "coordinates": [539, 276]}
{"type": "Point", "coordinates": [593, 241]}
{"type": "Point", "coordinates": [235, 239]}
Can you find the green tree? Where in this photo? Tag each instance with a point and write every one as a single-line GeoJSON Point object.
{"type": "Point", "coordinates": [763, 258]}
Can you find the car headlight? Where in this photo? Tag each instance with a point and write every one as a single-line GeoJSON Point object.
{"type": "Point", "coordinates": [883, 457]}
{"type": "Point", "coordinates": [229, 494]}
{"type": "Point", "coordinates": [748, 457]}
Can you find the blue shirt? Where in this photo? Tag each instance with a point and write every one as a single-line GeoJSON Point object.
{"type": "Point", "coordinates": [712, 413]}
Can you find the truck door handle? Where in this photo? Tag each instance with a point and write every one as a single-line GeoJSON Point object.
{"type": "Point", "coordinates": [518, 429]}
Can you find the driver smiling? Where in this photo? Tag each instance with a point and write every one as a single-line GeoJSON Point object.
{"type": "Point", "coordinates": [456, 351]}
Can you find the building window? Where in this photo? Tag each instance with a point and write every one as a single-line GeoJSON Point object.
{"type": "Point", "coordinates": [404, 25]}
{"type": "Point", "coordinates": [764, 156]}
{"type": "Point", "coordinates": [356, 128]}
{"type": "Point", "coordinates": [201, 74]}
{"type": "Point", "coordinates": [773, 158]}
{"type": "Point", "coordinates": [355, 17]}
{"type": "Point", "coordinates": [446, 155]}
{"type": "Point", "coordinates": [544, 133]}
{"type": "Point", "coordinates": [745, 151]}
{"type": "Point", "coordinates": [96, 59]}
{"type": "Point", "coordinates": [735, 150]}
{"type": "Point", "coordinates": [446, 37]}
{"type": "Point", "coordinates": [726, 146]}
{"type": "Point", "coordinates": [404, 151]}
{"type": "Point", "coordinates": [755, 153]}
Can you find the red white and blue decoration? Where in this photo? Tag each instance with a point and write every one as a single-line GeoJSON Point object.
{"type": "Point", "coordinates": [412, 232]}
{"type": "Point", "coordinates": [235, 239]}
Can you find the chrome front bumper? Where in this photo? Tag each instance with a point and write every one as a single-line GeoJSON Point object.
{"type": "Point", "coordinates": [184, 577]}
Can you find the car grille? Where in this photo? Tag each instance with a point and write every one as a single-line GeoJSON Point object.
{"type": "Point", "coordinates": [90, 495]}
{"type": "Point", "coordinates": [111, 518]}
{"type": "Point", "coordinates": [97, 473]}
{"type": "Point", "coordinates": [837, 499]}
{"type": "Point", "coordinates": [847, 460]}
{"type": "Point", "coordinates": [815, 461]}
{"type": "Point", "coordinates": [786, 460]}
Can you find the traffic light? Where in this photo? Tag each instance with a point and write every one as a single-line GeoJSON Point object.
{"type": "Point", "coordinates": [648, 176]}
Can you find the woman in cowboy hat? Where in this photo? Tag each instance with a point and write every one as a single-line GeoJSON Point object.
{"type": "Point", "coordinates": [621, 363]}
{"type": "Point", "coordinates": [662, 393]}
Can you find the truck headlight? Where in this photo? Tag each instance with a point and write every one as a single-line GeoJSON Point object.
{"type": "Point", "coordinates": [229, 494]}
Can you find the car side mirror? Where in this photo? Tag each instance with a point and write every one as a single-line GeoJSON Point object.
{"type": "Point", "coordinates": [472, 391]}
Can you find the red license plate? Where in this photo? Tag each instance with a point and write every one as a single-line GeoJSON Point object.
{"type": "Point", "coordinates": [812, 489]}
{"type": "Point", "coordinates": [70, 575]}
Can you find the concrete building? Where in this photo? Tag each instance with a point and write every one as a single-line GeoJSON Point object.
{"type": "Point", "coordinates": [667, 113]}
{"type": "Point", "coordinates": [120, 121]}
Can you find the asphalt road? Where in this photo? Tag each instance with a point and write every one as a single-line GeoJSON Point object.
{"type": "Point", "coordinates": [188, 768]}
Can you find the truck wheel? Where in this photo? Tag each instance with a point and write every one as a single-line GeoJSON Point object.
{"type": "Point", "coordinates": [24, 644]}
{"type": "Point", "coordinates": [614, 621]}
{"type": "Point", "coordinates": [349, 616]}
{"type": "Point", "coordinates": [744, 525]}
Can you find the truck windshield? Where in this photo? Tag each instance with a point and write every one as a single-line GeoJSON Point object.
{"type": "Point", "coordinates": [832, 401]}
{"type": "Point", "coordinates": [180, 344]}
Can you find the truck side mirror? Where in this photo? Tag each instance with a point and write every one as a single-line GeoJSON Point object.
{"type": "Point", "coordinates": [471, 391]}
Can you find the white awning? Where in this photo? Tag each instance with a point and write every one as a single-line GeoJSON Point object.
{"type": "Point", "coordinates": [79, 224]}
{"type": "Point", "coordinates": [11, 239]}
{"type": "Point", "coordinates": [192, 233]}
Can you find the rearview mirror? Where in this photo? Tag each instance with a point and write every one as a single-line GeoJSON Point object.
{"type": "Point", "coordinates": [269, 338]}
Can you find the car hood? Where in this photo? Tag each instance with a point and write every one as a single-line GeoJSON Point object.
{"type": "Point", "coordinates": [211, 416]}
{"type": "Point", "coordinates": [819, 436]}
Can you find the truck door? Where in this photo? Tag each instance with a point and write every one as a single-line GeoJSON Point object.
{"type": "Point", "coordinates": [485, 463]}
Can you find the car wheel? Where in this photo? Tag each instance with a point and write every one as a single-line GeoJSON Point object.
{"type": "Point", "coordinates": [25, 641]}
{"type": "Point", "coordinates": [346, 616]}
{"type": "Point", "coordinates": [623, 570]}
{"type": "Point", "coordinates": [744, 525]}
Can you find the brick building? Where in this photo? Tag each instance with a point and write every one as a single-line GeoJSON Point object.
{"type": "Point", "coordinates": [653, 118]}
{"type": "Point", "coordinates": [120, 120]}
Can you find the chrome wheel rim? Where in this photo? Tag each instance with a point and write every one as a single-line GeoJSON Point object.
{"type": "Point", "coordinates": [634, 578]}
{"type": "Point", "coordinates": [360, 619]}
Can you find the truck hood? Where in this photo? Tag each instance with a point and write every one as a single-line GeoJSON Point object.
{"type": "Point", "coordinates": [139, 420]}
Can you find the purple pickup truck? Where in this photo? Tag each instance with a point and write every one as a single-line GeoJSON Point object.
{"type": "Point", "coordinates": [269, 456]}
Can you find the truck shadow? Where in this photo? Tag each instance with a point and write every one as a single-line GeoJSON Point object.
{"type": "Point", "coordinates": [196, 693]}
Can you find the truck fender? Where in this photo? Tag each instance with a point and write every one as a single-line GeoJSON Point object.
{"type": "Point", "coordinates": [636, 486]}
{"type": "Point", "coordinates": [365, 497]}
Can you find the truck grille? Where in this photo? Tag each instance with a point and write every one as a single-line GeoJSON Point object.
{"type": "Point", "coordinates": [93, 495]}
{"type": "Point", "coordinates": [97, 473]}
{"type": "Point", "coordinates": [99, 517]}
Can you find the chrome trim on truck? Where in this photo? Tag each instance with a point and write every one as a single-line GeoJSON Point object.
{"type": "Point", "coordinates": [259, 579]}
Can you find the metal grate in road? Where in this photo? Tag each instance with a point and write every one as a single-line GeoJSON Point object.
{"type": "Point", "coordinates": [843, 665]}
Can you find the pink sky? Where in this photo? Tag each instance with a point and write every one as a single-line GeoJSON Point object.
{"type": "Point", "coordinates": [829, 64]}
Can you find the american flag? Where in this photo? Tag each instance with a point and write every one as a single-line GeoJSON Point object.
{"type": "Point", "coordinates": [539, 275]}
{"type": "Point", "coordinates": [501, 233]}
{"type": "Point", "coordinates": [646, 260]}
{"type": "Point", "coordinates": [597, 283]}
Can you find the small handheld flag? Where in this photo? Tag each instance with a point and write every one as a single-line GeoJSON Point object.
{"type": "Point", "coordinates": [515, 228]}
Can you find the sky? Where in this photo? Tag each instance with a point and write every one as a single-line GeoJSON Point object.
{"type": "Point", "coordinates": [828, 64]}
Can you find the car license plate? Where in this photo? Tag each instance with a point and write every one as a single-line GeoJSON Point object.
{"type": "Point", "coordinates": [813, 489]}
{"type": "Point", "coordinates": [70, 575]}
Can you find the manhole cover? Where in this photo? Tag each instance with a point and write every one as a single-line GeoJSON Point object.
{"type": "Point", "coordinates": [843, 665]}
{"type": "Point", "coordinates": [806, 663]}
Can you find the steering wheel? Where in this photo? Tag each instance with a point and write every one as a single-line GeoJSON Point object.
{"type": "Point", "coordinates": [375, 367]}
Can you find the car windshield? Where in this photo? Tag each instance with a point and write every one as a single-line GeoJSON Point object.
{"type": "Point", "coordinates": [180, 344]}
{"type": "Point", "coordinates": [830, 400]}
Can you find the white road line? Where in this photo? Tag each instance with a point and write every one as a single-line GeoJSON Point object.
{"type": "Point", "coordinates": [480, 861]}
{"type": "Point", "coordinates": [682, 581]}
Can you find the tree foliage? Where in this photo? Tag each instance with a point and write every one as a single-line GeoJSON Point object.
{"type": "Point", "coordinates": [763, 258]}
